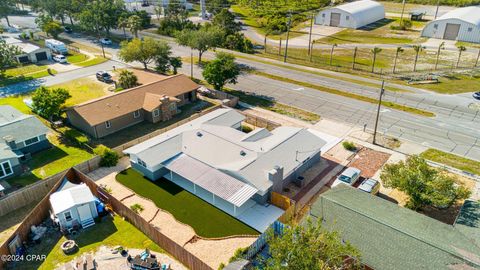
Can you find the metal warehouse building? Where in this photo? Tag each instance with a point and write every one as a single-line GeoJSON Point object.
{"type": "Point", "coordinates": [462, 24]}
{"type": "Point", "coordinates": [352, 15]}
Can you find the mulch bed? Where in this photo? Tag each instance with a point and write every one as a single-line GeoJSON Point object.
{"type": "Point", "coordinates": [369, 161]}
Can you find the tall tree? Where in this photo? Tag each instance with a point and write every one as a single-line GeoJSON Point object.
{"type": "Point", "coordinates": [48, 102]}
{"type": "Point", "coordinates": [460, 50]}
{"type": "Point", "coordinates": [423, 184]}
{"type": "Point", "coordinates": [123, 23]}
{"type": "Point", "coordinates": [309, 246]}
{"type": "Point", "coordinates": [144, 51]}
{"type": "Point", "coordinates": [175, 63]}
{"type": "Point", "coordinates": [7, 55]}
{"type": "Point", "coordinates": [216, 6]}
{"type": "Point", "coordinates": [6, 8]}
{"type": "Point", "coordinates": [397, 52]}
{"type": "Point", "coordinates": [134, 24]}
{"type": "Point", "coordinates": [221, 70]}
{"type": "Point", "coordinates": [226, 20]}
{"type": "Point", "coordinates": [417, 49]}
{"type": "Point", "coordinates": [99, 15]}
{"type": "Point", "coordinates": [202, 40]}
{"type": "Point", "coordinates": [53, 29]}
{"type": "Point", "coordinates": [375, 51]}
{"type": "Point", "coordinates": [127, 79]}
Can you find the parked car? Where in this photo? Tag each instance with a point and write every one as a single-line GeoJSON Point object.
{"type": "Point", "coordinates": [105, 41]}
{"type": "Point", "coordinates": [370, 186]}
{"type": "Point", "coordinates": [348, 177]}
{"type": "Point", "coordinates": [476, 95]}
{"type": "Point", "coordinates": [60, 58]}
{"type": "Point", "coordinates": [103, 76]}
{"type": "Point", "coordinates": [68, 29]}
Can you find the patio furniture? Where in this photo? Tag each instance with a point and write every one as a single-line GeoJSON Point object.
{"type": "Point", "coordinates": [144, 264]}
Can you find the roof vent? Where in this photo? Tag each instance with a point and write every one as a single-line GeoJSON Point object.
{"type": "Point", "coordinates": [242, 153]}
{"type": "Point", "coordinates": [199, 134]}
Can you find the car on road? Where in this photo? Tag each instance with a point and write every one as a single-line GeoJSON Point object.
{"type": "Point", "coordinates": [68, 29]}
{"type": "Point", "coordinates": [105, 41]}
{"type": "Point", "coordinates": [348, 177]}
{"type": "Point", "coordinates": [370, 185]}
{"type": "Point", "coordinates": [476, 95]}
{"type": "Point", "coordinates": [103, 76]}
{"type": "Point", "coordinates": [60, 58]}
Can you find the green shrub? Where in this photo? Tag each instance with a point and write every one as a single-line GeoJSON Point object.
{"type": "Point", "coordinates": [221, 266]}
{"type": "Point", "coordinates": [403, 25]}
{"type": "Point", "coordinates": [109, 157]}
{"type": "Point", "coordinates": [350, 146]}
{"type": "Point", "coordinates": [137, 208]}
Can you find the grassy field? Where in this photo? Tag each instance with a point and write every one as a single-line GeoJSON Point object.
{"type": "Point", "coordinates": [91, 62]}
{"type": "Point", "coordinates": [205, 219]}
{"type": "Point", "coordinates": [24, 73]}
{"type": "Point", "coordinates": [109, 232]}
{"type": "Point", "coordinates": [467, 44]}
{"type": "Point", "coordinates": [82, 90]}
{"type": "Point", "coordinates": [76, 57]}
{"type": "Point", "coordinates": [454, 84]}
{"type": "Point", "coordinates": [452, 160]}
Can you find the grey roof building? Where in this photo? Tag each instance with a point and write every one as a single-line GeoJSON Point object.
{"type": "Point", "coordinates": [20, 134]}
{"type": "Point", "coordinates": [392, 237]}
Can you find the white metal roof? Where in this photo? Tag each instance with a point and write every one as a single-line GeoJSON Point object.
{"type": "Point", "coordinates": [359, 6]}
{"type": "Point", "coordinates": [66, 199]}
{"type": "Point", "coordinates": [363, 11]}
{"type": "Point", "coordinates": [27, 47]}
{"type": "Point", "coordinates": [211, 179]}
{"type": "Point", "coordinates": [467, 14]}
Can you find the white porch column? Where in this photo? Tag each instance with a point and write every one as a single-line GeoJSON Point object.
{"type": "Point", "coordinates": [213, 197]}
{"type": "Point", "coordinates": [194, 188]}
{"type": "Point", "coordinates": [234, 210]}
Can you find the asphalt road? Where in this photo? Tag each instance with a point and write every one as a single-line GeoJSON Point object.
{"type": "Point", "coordinates": [454, 129]}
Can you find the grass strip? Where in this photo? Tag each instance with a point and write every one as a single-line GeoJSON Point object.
{"type": "Point", "coordinates": [94, 61]}
{"type": "Point", "coordinates": [345, 94]}
{"type": "Point", "coordinates": [26, 77]}
{"type": "Point", "coordinates": [461, 163]}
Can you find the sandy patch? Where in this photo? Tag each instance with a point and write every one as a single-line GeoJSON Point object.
{"type": "Point", "coordinates": [214, 252]}
{"type": "Point", "coordinates": [169, 226]}
{"type": "Point", "coordinates": [117, 190]}
{"type": "Point", "coordinates": [149, 208]}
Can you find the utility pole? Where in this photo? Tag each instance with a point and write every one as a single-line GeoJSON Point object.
{"type": "Point", "coordinates": [478, 56]}
{"type": "Point", "coordinates": [311, 53]}
{"type": "Point", "coordinates": [436, 11]}
{"type": "Point", "coordinates": [403, 10]}
{"type": "Point", "coordinates": [354, 57]}
{"type": "Point", "coordinates": [265, 43]}
{"type": "Point", "coordinates": [310, 35]}
{"type": "Point", "coordinates": [288, 34]}
{"type": "Point", "coordinates": [204, 9]}
{"type": "Point", "coordinates": [382, 90]}
{"type": "Point", "coordinates": [280, 47]}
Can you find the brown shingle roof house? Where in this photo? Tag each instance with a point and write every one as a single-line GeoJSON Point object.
{"type": "Point", "coordinates": [153, 102]}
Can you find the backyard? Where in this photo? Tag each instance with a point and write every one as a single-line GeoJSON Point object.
{"type": "Point", "coordinates": [205, 219]}
{"type": "Point", "coordinates": [24, 73]}
{"type": "Point", "coordinates": [109, 232]}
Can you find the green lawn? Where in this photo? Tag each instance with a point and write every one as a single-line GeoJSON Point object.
{"type": "Point", "coordinates": [452, 160]}
{"type": "Point", "coordinates": [24, 73]}
{"type": "Point", "coordinates": [109, 232]}
{"type": "Point", "coordinates": [205, 219]}
{"type": "Point", "coordinates": [82, 90]}
{"type": "Point", "coordinates": [453, 84]}
{"type": "Point", "coordinates": [75, 57]}
{"type": "Point", "coordinates": [22, 70]}
{"type": "Point", "coordinates": [94, 61]}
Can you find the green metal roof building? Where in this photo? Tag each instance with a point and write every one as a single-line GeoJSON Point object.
{"type": "Point", "coordinates": [392, 237]}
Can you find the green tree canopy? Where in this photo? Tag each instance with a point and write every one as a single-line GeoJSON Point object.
{"type": "Point", "coordinates": [6, 8]}
{"type": "Point", "coordinates": [175, 63]}
{"type": "Point", "coordinates": [7, 55]}
{"type": "Point", "coordinates": [49, 102]}
{"type": "Point", "coordinates": [144, 51]}
{"type": "Point", "coordinates": [423, 184]}
{"type": "Point", "coordinates": [53, 29]}
{"type": "Point", "coordinates": [309, 246]}
{"type": "Point", "coordinates": [134, 24]}
{"type": "Point", "coordinates": [221, 70]}
{"type": "Point", "coordinates": [202, 40]}
{"type": "Point", "coordinates": [226, 20]}
{"type": "Point", "coordinates": [100, 15]}
{"type": "Point", "coordinates": [216, 6]}
{"type": "Point", "coordinates": [127, 79]}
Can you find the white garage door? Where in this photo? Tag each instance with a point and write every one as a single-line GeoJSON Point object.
{"type": "Point", "coordinates": [451, 31]}
{"type": "Point", "coordinates": [334, 19]}
{"type": "Point", "coordinates": [84, 212]}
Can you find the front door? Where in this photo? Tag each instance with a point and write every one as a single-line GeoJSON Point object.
{"type": "Point", "coordinates": [451, 31]}
{"type": "Point", "coordinates": [84, 212]}
{"type": "Point", "coordinates": [334, 19]}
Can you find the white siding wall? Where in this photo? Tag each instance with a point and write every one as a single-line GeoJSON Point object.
{"type": "Point", "coordinates": [75, 216]}
{"type": "Point", "coordinates": [463, 33]}
{"type": "Point", "coordinates": [325, 20]}
{"type": "Point", "coordinates": [355, 20]}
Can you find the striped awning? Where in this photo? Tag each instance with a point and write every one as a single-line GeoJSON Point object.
{"type": "Point", "coordinates": [211, 179]}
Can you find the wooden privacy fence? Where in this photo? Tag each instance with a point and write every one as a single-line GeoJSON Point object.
{"type": "Point", "coordinates": [259, 121]}
{"type": "Point", "coordinates": [170, 246]}
{"type": "Point", "coordinates": [37, 191]}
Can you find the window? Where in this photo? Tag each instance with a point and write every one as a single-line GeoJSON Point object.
{"type": "Point", "coordinates": [108, 124]}
{"type": "Point", "coordinates": [156, 113]}
{"type": "Point", "coordinates": [172, 107]}
{"type": "Point", "coordinates": [5, 169]}
{"type": "Point", "coordinates": [347, 18]}
{"type": "Point", "coordinates": [136, 114]}
{"type": "Point", "coordinates": [142, 163]}
{"type": "Point", "coordinates": [323, 15]}
{"type": "Point", "coordinates": [435, 26]}
{"type": "Point", "coordinates": [68, 216]}
{"type": "Point", "coordinates": [31, 141]}
{"type": "Point", "coordinates": [470, 29]}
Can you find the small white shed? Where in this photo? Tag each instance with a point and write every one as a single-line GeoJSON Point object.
{"type": "Point", "coordinates": [74, 206]}
{"type": "Point", "coordinates": [462, 24]}
{"type": "Point", "coordinates": [351, 15]}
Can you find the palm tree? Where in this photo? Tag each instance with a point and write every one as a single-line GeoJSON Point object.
{"type": "Point", "coordinates": [134, 24]}
{"type": "Point", "coordinates": [460, 50]}
{"type": "Point", "coordinates": [375, 51]}
{"type": "Point", "coordinates": [440, 47]}
{"type": "Point", "coordinates": [399, 50]}
{"type": "Point", "coordinates": [331, 52]}
{"type": "Point", "coordinates": [123, 23]}
{"type": "Point", "coordinates": [417, 49]}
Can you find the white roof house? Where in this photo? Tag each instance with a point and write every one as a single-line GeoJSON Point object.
{"type": "Point", "coordinates": [233, 170]}
{"type": "Point", "coordinates": [462, 24]}
{"type": "Point", "coordinates": [74, 205]}
{"type": "Point", "coordinates": [30, 52]}
{"type": "Point", "coordinates": [352, 15]}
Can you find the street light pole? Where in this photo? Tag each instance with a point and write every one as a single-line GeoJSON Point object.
{"type": "Point", "coordinates": [310, 35]}
{"type": "Point", "coordinates": [382, 90]}
{"type": "Point", "coordinates": [288, 34]}
{"type": "Point", "coordinates": [403, 10]}
{"type": "Point", "coordinates": [436, 11]}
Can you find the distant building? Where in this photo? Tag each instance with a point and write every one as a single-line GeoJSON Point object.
{"type": "Point", "coordinates": [462, 24]}
{"type": "Point", "coordinates": [392, 237]}
{"type": "Point", "coordinates": [153, 102]}
{"type": "Point", "coordinates": [20, 135]}
{"type": "Point", "coordinates": [29, 52]}
{"type": "Point", "coordinates": [352, 15]}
